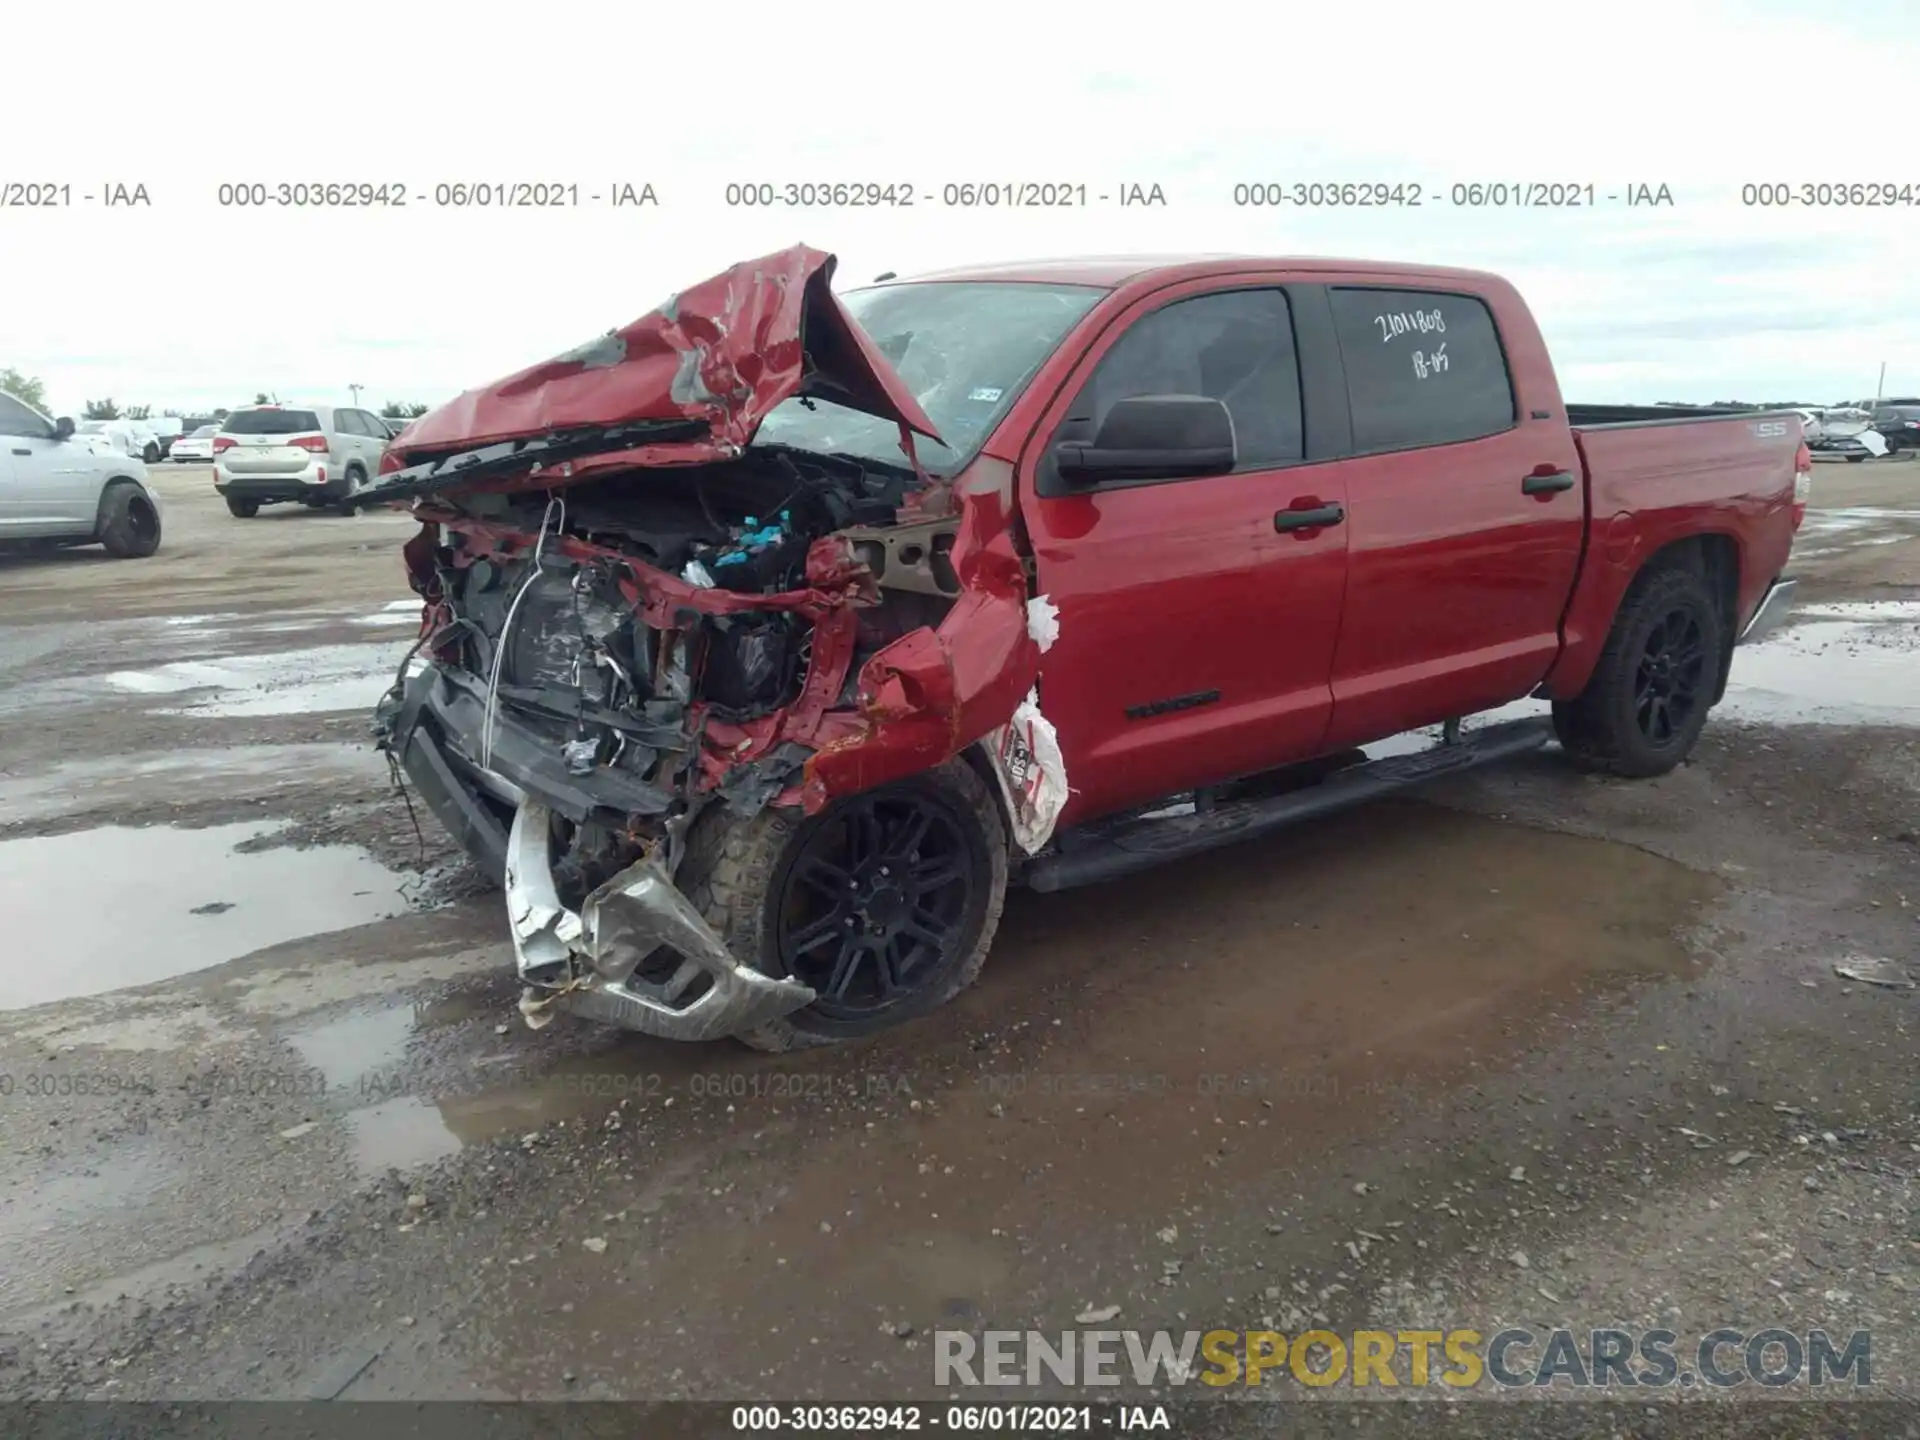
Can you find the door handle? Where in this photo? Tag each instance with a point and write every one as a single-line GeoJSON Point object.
{"type": "Point", "coordinates": [1314, 519]}
{"type": "Point", "coordinates": [1547, 484]}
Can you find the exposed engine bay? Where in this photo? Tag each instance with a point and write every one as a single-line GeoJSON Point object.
{"type": "Point", "coordinates": [650, 628]}
{"type": "Point", "coordinates": [654, 636]}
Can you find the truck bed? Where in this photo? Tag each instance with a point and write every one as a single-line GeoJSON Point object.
{"type": "Point", "coordinates": [1725, 477]}
{"type": "Point", "coordinates": [1594, 417]}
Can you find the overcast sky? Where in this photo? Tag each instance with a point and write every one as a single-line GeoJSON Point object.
{"type": "Point", "coordinates": [188, 304]}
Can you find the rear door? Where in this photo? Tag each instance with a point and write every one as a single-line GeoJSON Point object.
{"type": "Point", "coordinates": [1195, 635]}
{"type": "Point", "coordinates": [369, 439]}
{"type": "Point", "coordinates": [1465, 523]}
{"type": "Point", "coordinates": [264, 440]}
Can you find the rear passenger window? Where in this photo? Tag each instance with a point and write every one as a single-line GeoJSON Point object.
{"type": "Point", "coordinates": [1236, 347]}
{"type": "Point", "coordinates": [1423, 368]}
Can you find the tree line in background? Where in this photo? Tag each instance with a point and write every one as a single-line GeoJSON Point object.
{"type": "Point", "coordinates": [33, 390]}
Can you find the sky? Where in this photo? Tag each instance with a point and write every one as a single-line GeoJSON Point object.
{"type": "Point", "coordinates": [187, 303]}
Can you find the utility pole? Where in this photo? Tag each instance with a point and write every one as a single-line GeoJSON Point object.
{"type": "Point", "coordinates": [356, 389]}
{"type": "Point", "coordinates": [1881, 388]}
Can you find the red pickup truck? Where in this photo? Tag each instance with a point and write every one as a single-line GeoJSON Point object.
{"type": "Point", "coordinates": [767, 639]}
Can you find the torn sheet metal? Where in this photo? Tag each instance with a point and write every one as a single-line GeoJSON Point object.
{"type": "Point", "coordinates": [936, 690]}
{"type": "Point", "coordinates": [723, 353]}
{"type": "Point", "coordinates": [586, 962]}
{"type": "Point", "coordinates": [1033, 778]}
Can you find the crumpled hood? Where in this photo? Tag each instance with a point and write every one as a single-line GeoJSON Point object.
{"type": "Point", "coordinates": [724, 353]}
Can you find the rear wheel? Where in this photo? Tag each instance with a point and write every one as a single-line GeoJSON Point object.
{"type": "Point", "coordinates": [129, 524]}
{"type": "Point", "coordinates": [356, 482]}
{"type": "Point", "coordinates": [1644, 707]}
{"type": "Point", "coordinates": [242, 509]}
{"type": "Point", "coordinates": [884, 904]}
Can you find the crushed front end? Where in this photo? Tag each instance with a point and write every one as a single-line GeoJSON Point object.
{"type": "Point", "coordinates": [604, 663]}
{"type": "Point", "coordinates": [640, 618]}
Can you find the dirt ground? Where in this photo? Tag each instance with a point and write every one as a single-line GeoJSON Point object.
{"type": "Point", "coordinates": [1531, 1049]}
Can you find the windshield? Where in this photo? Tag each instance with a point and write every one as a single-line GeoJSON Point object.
{"type": "Point", "coordinates": [966, 349]}
{"type": "Point", "coordinates": [206, 430]}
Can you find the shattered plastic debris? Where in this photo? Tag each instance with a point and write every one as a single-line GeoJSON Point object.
{"type": "Point", "coordinates": [1033, 777]}
{"type": "Point", "coordinates": [1874, 970]}
{"type": "Point", "coordinates": [536, 1009]}
{"type": "Point", "coordinates": [1043, 622]}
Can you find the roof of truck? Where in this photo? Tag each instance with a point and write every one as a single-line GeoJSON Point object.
{"type": "Point", "coordinates": [1112, 271]}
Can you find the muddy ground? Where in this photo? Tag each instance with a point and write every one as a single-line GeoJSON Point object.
{"type": "Point", "coordinates": [1531, 1049]}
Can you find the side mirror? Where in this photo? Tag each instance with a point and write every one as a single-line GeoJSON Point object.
{"type": "Point", "coordinates": [1153, 437]}
{"type": "Point", "coordinates": [63, 428]}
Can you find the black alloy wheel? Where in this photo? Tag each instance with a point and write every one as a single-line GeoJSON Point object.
{"type": "Point", "coordinates": [877, 901]}
{"type": "Point", "coordinates": [1671, 677]}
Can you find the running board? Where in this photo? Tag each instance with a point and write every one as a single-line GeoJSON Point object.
{"type": "Point", "coordinates": [1140, 844]}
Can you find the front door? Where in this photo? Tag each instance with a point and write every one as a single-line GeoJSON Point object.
{"type": "Point", "coordinates": [1197, 616]}
{"type": "Point", "coordinates": [47, 486]}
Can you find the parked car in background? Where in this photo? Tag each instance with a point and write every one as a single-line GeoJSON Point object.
{"type": "Point", "coordinates": [167, 429]}
{"type": "Point", "coordinates": [116, 433]}
{"type": "Point", "coordinates": [196, 447]}
{"type": "Point", "coordinates": [1809, 424]}
{"type": "Point", "coordinates": [313, 455]}
{"type": "Point", "coordinates": [146, 440]}
{"type": "Point", "coordinates": [1846, 433]}
{"type": "Point", "coordinates": [59, 489]}
{"type": "Point", "coordinates": [1899, 425]}
{"type": "Point", "coordinates": [755, 716]}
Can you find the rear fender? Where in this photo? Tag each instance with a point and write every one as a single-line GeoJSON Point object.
{"type": "Point", "coordinates": [1615, 560]}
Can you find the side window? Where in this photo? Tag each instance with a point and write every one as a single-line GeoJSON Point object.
{"type": "Point", "coordinates": [346, 422]}
{"type": "Point", "coordinates": [1423, 368]}
{"type": "Point", "coordinates": [1236, 347]}
{"type": "Point", "coordinates": [17, 419]}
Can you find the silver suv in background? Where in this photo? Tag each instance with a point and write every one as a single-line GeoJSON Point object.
{"type": "Point", "coordinates": [59, 488]}
{"type": "Point", "coordinates": [314, 455]}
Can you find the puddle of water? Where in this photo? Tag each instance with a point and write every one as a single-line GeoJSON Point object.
{"type": "Point", "coordinates": [351, 1051]}
{"type": "Point", "coordinates": [72, 1197]}
{"type": "Point", "coordinates": [1839, 664]}
{"type": "Point", "coordinates": [290, 682]}
{"type": "Point", "coordinates": [399, 1134]}
{"type": "Point", "coordinates": [130, 779]}
{"type": "Point", "coordinates": [99, 910]}
{"type": "Point", "coordinates": [1221, 1019]}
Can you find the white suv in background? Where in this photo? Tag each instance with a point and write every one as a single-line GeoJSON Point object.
{"type": "Point", "coordinates": [315, 455]}
{"type": "Point", "coordinates": [58, 488]}
{"type": "Point", "coordinates": [116, 433]}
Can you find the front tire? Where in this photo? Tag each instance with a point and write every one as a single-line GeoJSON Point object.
{"type": "Point", "coordinates": [129, 523]}
{"type": "Point", "coordinates": [885, 903]}
{"type": "Point", "coordinates": [1647, 701]}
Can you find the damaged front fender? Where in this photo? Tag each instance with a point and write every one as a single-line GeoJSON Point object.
{"type": "Point", "coordinates": [937, 690]}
